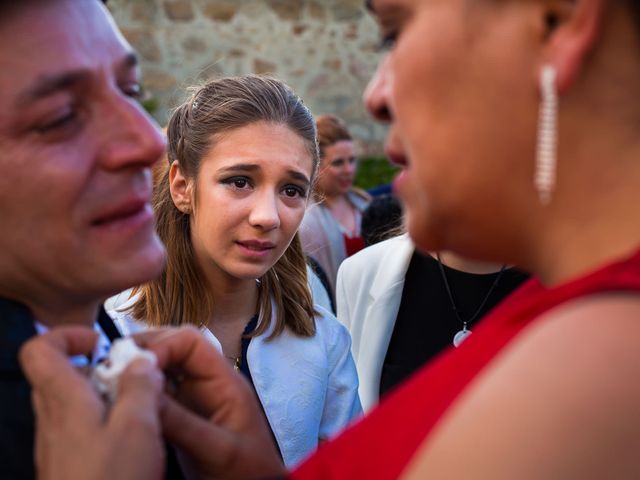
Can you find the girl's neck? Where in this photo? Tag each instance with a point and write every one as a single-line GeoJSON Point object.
{"type": "Point", "coordinates": [234, 301]}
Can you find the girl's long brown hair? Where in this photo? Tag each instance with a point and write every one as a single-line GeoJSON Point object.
{"type": "Point", "coordinates": [181, 294]}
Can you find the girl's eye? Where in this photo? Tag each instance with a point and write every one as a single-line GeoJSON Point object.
{"type": "Point", "coordinates": [239, 183]}
{"type": "Point", "coordinates": [294, 191]}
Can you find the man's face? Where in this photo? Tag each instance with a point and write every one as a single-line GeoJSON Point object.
{"type": "Point", "coordinates": [75, 157]}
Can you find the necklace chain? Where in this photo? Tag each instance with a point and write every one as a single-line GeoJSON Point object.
{"type": "Point", "coordinates": [450, 294]}
{"type": "Point", "coordinates": [237, 361]}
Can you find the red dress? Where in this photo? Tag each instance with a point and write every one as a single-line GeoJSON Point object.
{"type": "Point", "coordinates": [382, 444]}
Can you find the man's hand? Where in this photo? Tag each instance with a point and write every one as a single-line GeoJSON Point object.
{"type": "Point", "coordinates": [216, 420]}
{"type": "Point", "coordinates": [77, 435]}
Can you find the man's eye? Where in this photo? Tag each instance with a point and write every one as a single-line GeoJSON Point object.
{"type": "Point", "coordinates": [57, 123]}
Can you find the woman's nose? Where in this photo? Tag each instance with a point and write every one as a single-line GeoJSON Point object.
{"type": "Point", "coordinates": [376, 95]}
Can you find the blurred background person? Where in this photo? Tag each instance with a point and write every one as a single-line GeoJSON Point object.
{"type": "Point", "coordinates": [382, 219]}
{"type": "Point", "coordinates": [330, 231]}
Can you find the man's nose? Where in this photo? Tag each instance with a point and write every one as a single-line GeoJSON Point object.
{"type": "Point", "coordinates": [130, 136]}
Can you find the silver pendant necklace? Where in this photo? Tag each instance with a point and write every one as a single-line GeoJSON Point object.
{"type": "Point", "coordinates": [461, 335]}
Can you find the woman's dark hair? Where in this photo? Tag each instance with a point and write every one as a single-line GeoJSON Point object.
{"type": "Point", "coordinates": [382, 219]}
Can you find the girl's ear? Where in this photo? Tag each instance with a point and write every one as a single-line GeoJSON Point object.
{"type": "Point", "coordinates": [181, 189]}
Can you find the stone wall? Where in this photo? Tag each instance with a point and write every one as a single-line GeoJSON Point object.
{"type": "Point", "coordinates": [325, 49]}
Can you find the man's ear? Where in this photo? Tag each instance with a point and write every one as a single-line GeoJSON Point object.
{"type": "Point", "coordinates": [181, 188]}
{"type": "Point", "coordinates": [570, 30]}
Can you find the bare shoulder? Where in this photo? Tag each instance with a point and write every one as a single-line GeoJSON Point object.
{"type": "Point", "coordinates": [560, 402]}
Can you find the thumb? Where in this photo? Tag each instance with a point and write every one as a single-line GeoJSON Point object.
{"type": "Point", "coordinates": [136, 409]}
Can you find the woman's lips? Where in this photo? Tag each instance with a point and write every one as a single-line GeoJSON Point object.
{"type": "Point", "coordinates": [397, 158]}
{"type": "Point", "coordinates": [398, 181]}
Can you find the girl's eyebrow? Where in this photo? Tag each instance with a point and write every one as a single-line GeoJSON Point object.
{"type": "Point", "coordinates": [240, 167]}
{"type": "Point", "coordinates": [301, 177]}
{"type": "Point", "coordinates": [252, 167]}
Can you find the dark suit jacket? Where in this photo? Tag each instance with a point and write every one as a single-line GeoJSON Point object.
{"type": "Point", "coordinates": [16, 413]}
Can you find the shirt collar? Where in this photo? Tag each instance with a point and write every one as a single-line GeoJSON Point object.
{"type": "Point", "coordinates": [17, 325]}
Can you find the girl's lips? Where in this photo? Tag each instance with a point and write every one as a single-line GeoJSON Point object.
{"type": "Point", "coordinates": [255, 249]}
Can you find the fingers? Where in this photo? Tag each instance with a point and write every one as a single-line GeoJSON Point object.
{"type": "Point", "coordinates": [184, 349]}
{"type": "Point", "coordinates": [208, 384]}
{"type": "Point", "coordinates": [134, 421]}
{"type": "Point", "coordinates": [45, 361]}
{"type": "Point", "coordinates": [194, 435]}
{"type": "Point", "coordinates": [139, 390]}
{"type": "Point", "coordinates": [220, 451]}
{"type": "Point", "coordinates": [55, 346]}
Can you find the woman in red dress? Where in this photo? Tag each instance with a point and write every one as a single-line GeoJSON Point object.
{"type": "Point", "coordinates": [516, 125]}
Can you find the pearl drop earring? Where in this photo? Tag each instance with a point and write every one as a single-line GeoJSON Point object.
{"type": "Point", "coordinates": [546, 155]}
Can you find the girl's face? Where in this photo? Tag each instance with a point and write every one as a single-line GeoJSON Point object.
{"type": "Point", "coordinates": [459, 87]}
{"type": "Point", "coordinates": [250, 196]}
{"type": "Point", "coordinates": [337, 168]}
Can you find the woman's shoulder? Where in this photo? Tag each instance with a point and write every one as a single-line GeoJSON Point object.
{"type": "Point", "coordinates": [606, 319]}
{"type": "Point", "coordinates": [359, 197]}
{"type": "Point", "coordinates": [571, 371]}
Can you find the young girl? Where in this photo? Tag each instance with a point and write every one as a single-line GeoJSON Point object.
{"type": "Point", "coordinates": [242, 156]}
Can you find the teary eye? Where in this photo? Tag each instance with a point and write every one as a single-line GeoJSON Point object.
{"type": "Point", "coordinates": [293, 191]}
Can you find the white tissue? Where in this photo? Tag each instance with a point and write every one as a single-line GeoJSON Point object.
{"type": "Point", "coordinates": [106, 375]}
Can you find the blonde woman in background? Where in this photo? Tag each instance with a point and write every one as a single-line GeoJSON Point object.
{"type": "Point", "coordinates": [331, 228]}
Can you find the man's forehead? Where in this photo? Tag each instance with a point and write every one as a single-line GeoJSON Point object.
{"type": "Point", "coordinates": [74, 35]}
{"type": "Point", "coordinates": [58, 24]}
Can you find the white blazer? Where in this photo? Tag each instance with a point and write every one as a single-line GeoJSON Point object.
{"type": "Point", "coordinates": [308, 386]}
{"type": "Point", "coordinates": [368, 293]}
